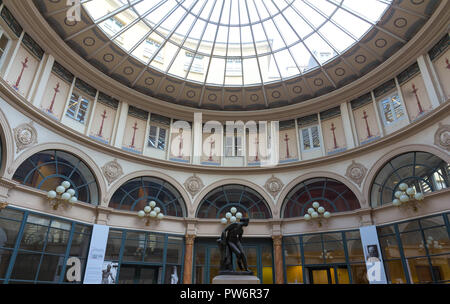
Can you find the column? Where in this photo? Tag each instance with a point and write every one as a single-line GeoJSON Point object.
{"type": "Point", "coordinates": [322, 142]}
{"type": "Point", "coordinates": [399, 90]}
{"type": "Point", "coordinates": [348, 130]}
{"type": "Point", "coordinates": [42, 84]}
{"type": "Point", "coordinates": [16, 46]}
{"type": "Point", "coordinates": [377, 113]}
{"type": "Point", "coordinates": [188, 258]}
{"type": "Point", "coordinates": [91, 115]}
{"type": "Point", "coordinates": [278, 258]}
{"type": "Point", "coordinates": [123, 114]}
{"type": "Point", "coordinates": [197, 141]}
{"type": "Point", "coordinates": [429, 84]}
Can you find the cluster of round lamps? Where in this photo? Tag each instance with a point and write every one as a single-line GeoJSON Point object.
{"type": "Point", "coordinates": [232, 216]}
{"type": "Point", "coordinates": [151, 212]}
{"type": "Point", "coordinates": [431, 243]}
{"type": "Point", "coordinates": [316, 211]}
{"type": "Point", "coordinates": [406, 194]}
{"type": "Point", "coordinates": [62, 193]}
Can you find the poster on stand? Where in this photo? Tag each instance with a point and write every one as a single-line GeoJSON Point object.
{"type": "Point", "coordinates": [372, 253]}
{"type": "Point", "coordinates": [96, 257]}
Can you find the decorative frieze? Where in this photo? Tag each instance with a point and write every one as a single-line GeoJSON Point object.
{"type": "Point", "coordinates": [25, 135]}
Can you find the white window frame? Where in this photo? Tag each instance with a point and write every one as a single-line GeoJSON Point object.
{"type": "Point", "coordinates": [78, 106]}
{"type": "Point", "coordinates": [236, 149]}
{"type": "Point", "coordinates": [388, 98]}
{"type": "Point", "coordinates": [311, 141]}
{"type": "Point", "coordinates": [157, 137]}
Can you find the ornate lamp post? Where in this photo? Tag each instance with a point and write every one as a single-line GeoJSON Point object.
{"type": "Point", "coordinates": [316, 213]}
{"type": "Point", "coordinates": [61, 195]}
{"type": "Point", "coordinates": [151, 212]}
{"type": "Point", "coordinates": [231, 217]}
{"type": "Point", "coordinates": [407, 194]}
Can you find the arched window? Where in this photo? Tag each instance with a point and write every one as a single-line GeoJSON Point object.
{"type": "Point", "coordinates": [333, 195]}
{"type": "Point", "coordinates": [48, 169]}
{"type": "Point", "coordinates": [421, 170]}
{"type": "Point", "coordinates": [135, 194]}
{"type": "Point", "coordinates": [247, 201]}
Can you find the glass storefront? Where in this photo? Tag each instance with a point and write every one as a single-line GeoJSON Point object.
{"type": "Point", "coordinates": [417, 251]}
{"type": "Point", "coordinates": [34, 248]}
{"type": "Point", "coordinates": [145, 257]}
{"type": "Point", "coordinates": [324, 258]}
{"type": "Point", "coordinates": [207, 260]}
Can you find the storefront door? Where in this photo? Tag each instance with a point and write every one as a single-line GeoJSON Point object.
{"type": "Point", "coordinates": [337, 274]}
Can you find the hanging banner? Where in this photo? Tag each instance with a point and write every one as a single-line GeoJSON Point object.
{"type": "Point", "coordinates": [96, 257]}
{"type": "Point", "coordinates": [372, 254]}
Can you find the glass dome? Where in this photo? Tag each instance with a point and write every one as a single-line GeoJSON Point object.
{"type": "Point", "coordinates": [232, 42]}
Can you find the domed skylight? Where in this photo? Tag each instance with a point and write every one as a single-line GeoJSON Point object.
{"type": "Point", "coordinates": [235, 42]}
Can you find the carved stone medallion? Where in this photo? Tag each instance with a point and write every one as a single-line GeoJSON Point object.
{"type": "Point", "coordinates": [193, 185]}
{"type": "Point", "coordinates": [442, 137]}
{"type": "Point", "coordinates": [274, 186]}
{"type": "Point", "coordinates": [25, 135]}
{"type": "Point", "coordinates": [356, 172]}
{"type": "Point", "coordinates": [112, 170]}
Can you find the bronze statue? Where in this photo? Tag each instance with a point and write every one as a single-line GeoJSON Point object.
{"type": "Point", "coordinates": [229, 244]}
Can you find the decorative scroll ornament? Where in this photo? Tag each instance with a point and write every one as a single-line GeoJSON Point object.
{"type": "Point", "coordinates": [356, 172]}
{"type": "Point", "coordinates": [193, 185]}
{"type": "Point", "coordinates": [274, 185]}
{"type": "Point", "coordinates": [25, 135]}
{"type": "Point", "coordinates": [112, 170]}
{"type": "Point", "coordinates": [442, 137]}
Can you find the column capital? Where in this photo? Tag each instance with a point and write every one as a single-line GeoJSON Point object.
{"type": "Point", "coordinates": [277, 240]}
{"type": "Point", "coordinates": [190, 239]}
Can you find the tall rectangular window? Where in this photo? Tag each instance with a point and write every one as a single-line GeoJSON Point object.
{"type": "Point", "coordinates": [233, 145]}
{"type": "Point", "coordinates": [3, 45]}
{"type": "Point", "coordinates": [310, 138]}
{"type": "Point", "coordinates": [78, 108]}
{"type": "Point", "coordinates": [392, 109]}
{"type": "Point", "coordinates": [157, 137]}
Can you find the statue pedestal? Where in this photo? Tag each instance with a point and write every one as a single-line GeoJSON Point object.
{"type": "Point", "coordinates": [235, 279]}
